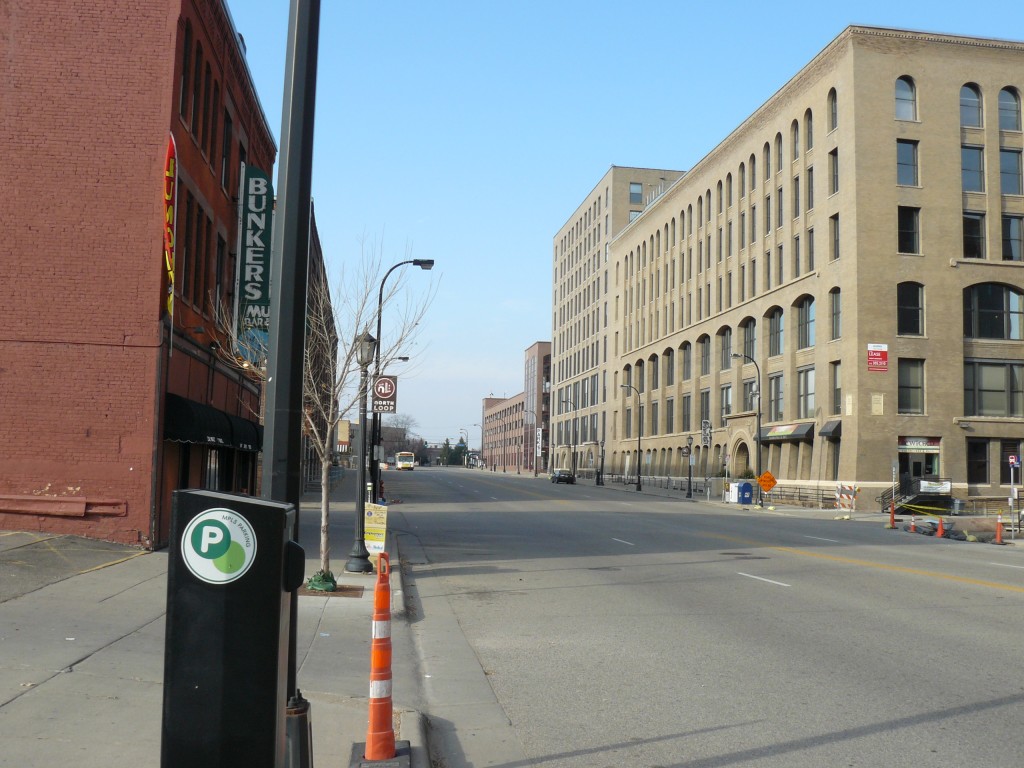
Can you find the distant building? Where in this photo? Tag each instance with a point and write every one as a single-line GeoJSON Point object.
{"type": "Point", "coordinates": [582, 354]}
{"type": "Point", "coordinates": [847, 263]}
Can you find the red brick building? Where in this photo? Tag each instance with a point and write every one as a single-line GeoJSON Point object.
{"type": "Point", "coordinates": [107, 401]}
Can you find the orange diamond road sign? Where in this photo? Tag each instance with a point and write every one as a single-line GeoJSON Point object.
{"type": "Point", "coordinates": [767, 481]}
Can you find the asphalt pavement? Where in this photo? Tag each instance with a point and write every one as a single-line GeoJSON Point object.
{"type": "Point", "coordinates": [82, 653]}
{"type": "Point", "coordinates": [82, 650]}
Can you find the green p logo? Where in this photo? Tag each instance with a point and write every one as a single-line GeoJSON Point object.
{"type": "Point", "coordinates": [218, 546]}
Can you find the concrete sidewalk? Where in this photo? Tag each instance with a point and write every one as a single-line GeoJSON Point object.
{"type": "Point", "coordinates": [82, 654]}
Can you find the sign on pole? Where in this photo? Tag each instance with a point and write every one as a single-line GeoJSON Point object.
{"type": "Point", "coordinates": [385, 394]}
{"type": "Point", "coordinates": [540, 442]}
{"type": "Point", "coordinates": [705, 433]}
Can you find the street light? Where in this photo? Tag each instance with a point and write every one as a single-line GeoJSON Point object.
{"type": "Point", "coordinates": [689, 467]}
{"type": "Point", "coordinates": [567, 401]}
{"type": "Point", "coordinates": [741, 356]}
{"type": "Point", "coordinates": [426, 264]}
{"type": "Point", "coordinates": [359, 558]}
{"type": "Point", "coordinates": [639, 429]}
{"type": "Point", "coordinates": [600, 472]}
{"type": "Point", "coordinates": [483, 459]}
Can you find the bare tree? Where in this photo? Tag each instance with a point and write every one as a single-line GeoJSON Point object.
{"type": "Point", "coordinates": [331, 374]}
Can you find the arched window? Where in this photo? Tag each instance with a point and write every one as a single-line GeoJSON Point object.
{"type": "Point", "coordinates": [670, 367]}
{"type": "Point", "coordinates": [654, 368]}
{"type": "Point", "coordinates": [700, 210]}
{"type": "Point", "coordinates": [725, 346]}
{"type": "Point", "coordinates": [750, 338]}
{"type": "Point", "coordinates": [910, 309]}
{"type": "Point", "coordinates": [778, 152]}
{"type": "Point", "coordinates": [1009, 110]}
{"type": "Point", "coordinates": [707, 204]}
{"type": "Point", "coordinates": [728, 190]}
{"type": "Point", "coordinates": [743, 181]}
{"type": "Point", "coordinates": [775, 333]}
{"type": "Point", "coordinates": [906, 99]}
{"type": "Point", "coordinates": [721, 199]}
{"type": "Point", "coordinates": [993, 311]}
{"type": "Point", "coordinates": [970, 106]}
{"type": "Point", "coordinates": [808, 130]}
{"type": "Point", "coordinates": [794, 129]}
{"type": "Point", "coordinates": [767, 161]}
{"type": "Point", "coordinates": [805, 323]}
{"type": "Point", "coordinates": [687, 362]}
{"type": "Point", "coordinates": [753, 172]}
{"type": "Point", "coordinates": [833, 110]}
{"type": "Point", "coordinates": [704, 343]}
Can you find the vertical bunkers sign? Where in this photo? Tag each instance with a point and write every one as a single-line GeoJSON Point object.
{"type": "Point", "coordinates": [256, 216]}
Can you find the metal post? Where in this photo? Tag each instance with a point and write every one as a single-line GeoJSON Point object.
{"type": "Point", "coordinates": [359, 557]}
{"type": "Point", "coordinates": [689, 467]}
{"type": "Point", "coordinates": [639, 430]}
{"type": "Point", "coordinates": [289, 260]}
{"type": "Point", "coordinates": [757, 438]}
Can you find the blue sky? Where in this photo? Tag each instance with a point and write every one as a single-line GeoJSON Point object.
{"type": "Point", "coordinates": [468, 132]}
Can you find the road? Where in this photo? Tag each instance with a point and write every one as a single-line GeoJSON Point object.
{"type": "Point", "coordinates": [563, 625]}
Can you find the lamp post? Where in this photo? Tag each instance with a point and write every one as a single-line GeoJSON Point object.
{"type": "Point", "coordinates": [639, 429]}
{"type": "Point", "coordinates": [482, 457]}
{"type": "Point", "coordinates": [689, 467]}
{"type": "Point", "coordinates": [757, 370]}
{"type": "Point", "coordinates": [376, 430]}
{"type": "Point", "coordinates": [572, 460]}
{"type": "Point", "coordinates": [600, 472]}
{"type": "Point", "coordinates": [359, 558]}
{"type": "Point", "coordinates": [529, 445]}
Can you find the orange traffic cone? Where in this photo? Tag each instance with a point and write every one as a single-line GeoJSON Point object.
{"type": "Point", "coordinates": [941, 532]}
{"type": "Point", "coordinates": [999, 529]}
{"type": "Point", "coordinates": [913, 523]}
{"type": "Point", "coordinates": [380, 735]}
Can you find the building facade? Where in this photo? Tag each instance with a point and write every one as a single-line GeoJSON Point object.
{"type": "Point", "coordinates": [844, 270]}
{"type": "Point", "coordinates": [503, 433]}
{"type": "Point", "coordinates": [581, 357]}
{"type": "Point", "coordinates": [536, 407]}
{"type": "Point", "coordinates": [112, 396]}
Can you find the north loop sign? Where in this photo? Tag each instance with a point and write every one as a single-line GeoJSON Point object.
{"type": "Point", "coordinates": [385, 394]}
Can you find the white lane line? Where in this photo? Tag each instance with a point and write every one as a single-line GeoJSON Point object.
{"type": "Point", "coordinates": [749, 576]}
{"type": "Point", "coordinates": [628, 543]}
{"type": "Point", "coordinates": [1006, 565]}
{"type": "Point", "coordinates": [818, 538]}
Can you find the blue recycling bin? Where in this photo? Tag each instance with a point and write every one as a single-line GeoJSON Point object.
{"type": "Point", "coordinates": [746, 493]}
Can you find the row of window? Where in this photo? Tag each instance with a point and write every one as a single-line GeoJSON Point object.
{"type": "Point", "coordinates": [990, 311]}
{"type": "Point", "coordinates": [199, 104]}
{"type": "Point", "coordinates": [972, 111]}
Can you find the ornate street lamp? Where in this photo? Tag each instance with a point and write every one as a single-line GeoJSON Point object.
{"type": "Point", "coordinates": [740, 356]}
{"type": "Point", "coordinates": [689, 467]}
{"type": "Point", "coordinates": [425, 264]}
{"type": "Point", "coordinates": [359, 558]}
{"type": "Point", "coordinates": [639, 429]}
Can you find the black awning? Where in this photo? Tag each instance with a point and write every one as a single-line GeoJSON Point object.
{"type": "Point", "coordinates": [247, 434]}
{"type": "Point", "coordinates": [831, 429]}
{"type": "Point", "coordinates": [187, 421]}
{"type": "Point", "coordinates": [783, 432]}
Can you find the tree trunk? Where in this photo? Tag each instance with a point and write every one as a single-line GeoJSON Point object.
{"type": "Point", "coordinates": [325, 514]}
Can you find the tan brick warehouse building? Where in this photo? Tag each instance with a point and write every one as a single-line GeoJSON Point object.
{"type": "Point", "coordinates": [98, 422]}
{"type": "Point", "coordinates": [859, 237]}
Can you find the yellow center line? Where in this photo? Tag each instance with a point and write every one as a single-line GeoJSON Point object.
{"type": "Point", "coordinates": [870, 564]}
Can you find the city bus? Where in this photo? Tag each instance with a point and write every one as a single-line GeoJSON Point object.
{"type": "Point", "coordinates": [405, 460]}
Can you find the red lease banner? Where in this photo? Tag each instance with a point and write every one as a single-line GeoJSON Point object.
{"type": "Point", "coordinates": [878, 357]}
{"type": "Point", "coordinates": [170, 204]}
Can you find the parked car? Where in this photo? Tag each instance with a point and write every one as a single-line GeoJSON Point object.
{"type": "Point", "coordinates": [563, 476]}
